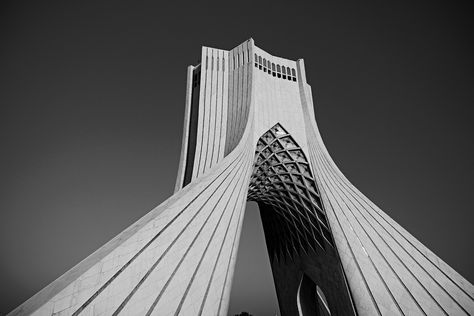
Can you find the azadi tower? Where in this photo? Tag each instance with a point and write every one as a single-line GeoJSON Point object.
{"type": "Point", "coordinates": [250, 134]}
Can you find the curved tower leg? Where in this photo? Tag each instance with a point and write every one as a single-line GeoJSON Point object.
{"type": "Point", "coordinates": [178, 258]}
{"type": "Point", "coordinates": [388, 270]}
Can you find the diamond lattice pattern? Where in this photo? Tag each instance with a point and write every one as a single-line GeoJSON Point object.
{"type": "Point", "coordinates": [292, 210]}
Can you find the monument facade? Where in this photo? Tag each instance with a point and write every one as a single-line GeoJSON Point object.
{"type": "Point", "coordinates": [250, 133]}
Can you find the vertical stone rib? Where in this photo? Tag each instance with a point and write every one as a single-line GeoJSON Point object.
{"type": "Point", "coordinates": [225, 100]}
{"type": "Point", "coordinates": [218, 101]}
{"type": "Point", "coordinates": [186, 130]}
{"type": "Point", "coordinates": [202, 113]}
{"type": "Point", "coordinates": [244, 94]}
{"type": "Point", "coordinates": [207, 111]}
{"type": "Point", "coordinates": [238, 96]}
{"type": "Point", "coordinates": [232, 108]}
{"type": "Point", "coordinates": [212, 112]}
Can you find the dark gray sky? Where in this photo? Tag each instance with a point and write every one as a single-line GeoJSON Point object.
{"type": "Point", "coordinates": [91, 110]}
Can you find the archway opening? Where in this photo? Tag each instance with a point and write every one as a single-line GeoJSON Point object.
{"type": "Point", "coordinates": [253, 289]}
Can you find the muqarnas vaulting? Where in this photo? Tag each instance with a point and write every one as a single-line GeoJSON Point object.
{"type": "Point", "coordinates": [250, 134]}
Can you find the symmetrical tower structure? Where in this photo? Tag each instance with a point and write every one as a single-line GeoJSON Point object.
{"type": "Point", "coordinates": [250, 134]}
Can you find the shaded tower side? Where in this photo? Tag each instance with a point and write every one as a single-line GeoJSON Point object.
{"type": "Point", "coordinates": [217, 109]}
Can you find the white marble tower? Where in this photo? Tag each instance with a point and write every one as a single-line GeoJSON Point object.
{"type": "Point", "coordinates": [250, 134]}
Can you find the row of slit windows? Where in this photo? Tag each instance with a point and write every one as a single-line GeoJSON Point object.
{"type": "Point", "coordinates": [260, 63]}
{"type": "Point", "coordinates": [275, 70]}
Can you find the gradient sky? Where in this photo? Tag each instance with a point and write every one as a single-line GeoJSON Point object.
{"type": "Point", "coordinates": [91, 113]}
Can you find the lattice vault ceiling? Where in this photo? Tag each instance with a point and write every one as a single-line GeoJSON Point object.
{"type": "Point", "coordinates": [284, 187]}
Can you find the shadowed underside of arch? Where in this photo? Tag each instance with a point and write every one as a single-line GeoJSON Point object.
{"type": "Point", "coordinates": [297, 232]}
{"type": "Point", "coordinates": [282, 180]}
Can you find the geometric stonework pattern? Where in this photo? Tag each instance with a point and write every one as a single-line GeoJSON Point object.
{"type": "Point", "coordinates": [250, 133]}
{"type": "Point", "coordinates": [282, 179]}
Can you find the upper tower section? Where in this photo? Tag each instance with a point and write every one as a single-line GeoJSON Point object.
{"type": "Point", "coordinates": [276, 99]}
{"type": "Point", "coordinates": [228, 90]}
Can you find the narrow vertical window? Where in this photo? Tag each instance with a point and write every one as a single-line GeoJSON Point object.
{"type": "Point", "coordinates": [310, 299]}
{"type": "Point", "coordinates": [322, 301]}
{"type": "Point", "coordinates": [273, 70]}
{"type": "Point", "coordinates": [278, 71]}
{"type": "Point", "coordinates": [283, 70]}
{"type": "Point", "coordinates": [256, 60]}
